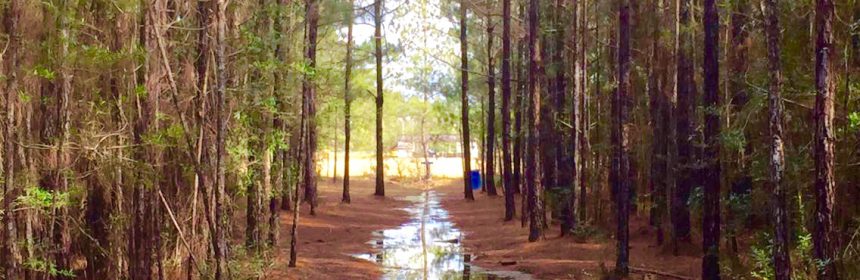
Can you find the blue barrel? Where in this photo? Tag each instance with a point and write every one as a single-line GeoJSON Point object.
{"type": "Point", "coordinates": [475, 177]}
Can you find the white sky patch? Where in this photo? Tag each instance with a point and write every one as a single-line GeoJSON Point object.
{"type": "Point", "coordinates": [425, 39]}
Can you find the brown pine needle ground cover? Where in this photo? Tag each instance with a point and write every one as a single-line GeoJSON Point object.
{"type": "Point", "coordinates": [497, 244]}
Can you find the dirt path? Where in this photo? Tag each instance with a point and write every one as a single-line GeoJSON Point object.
{"type": "Point", "coordinates": [494, 241]}
{"type": "Point", "coordinates": [327, 239]}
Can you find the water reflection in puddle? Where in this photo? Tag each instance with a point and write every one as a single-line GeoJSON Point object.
{"type": "Point", "coordinates": [427, 247]}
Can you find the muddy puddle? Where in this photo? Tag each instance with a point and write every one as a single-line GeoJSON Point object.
{"type": "Point", "coordinates": [427, 247]}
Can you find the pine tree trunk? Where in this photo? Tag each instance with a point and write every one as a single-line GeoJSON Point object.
{"type": "Point", "coordinates": [685, 113]}
{"type": "Point", "coordinates": [599, 162]}
{"type": "Point", "coordinates": [288, 158]}
{"type": "Point", "coordinates": [712, 173]}
{"type": "Point", "coordinates": [548, 147]}
{"type": "Point", "coordinates": [273, 203]}
{"type": "Point", "coordinates": [291, 165]}
{"type": "Point", "coordinates": [508, 184]}
{"type": "Point", "coordinates": [659, 124]}
{"type": "Point", "coordinates": [519, 133]}
{"type": "Point", "coordinates": [491, 113]}
{"type": "Point", "coordinates": [300, 152]}
{"type": "Point", "coordinates": [294, 230]}
{"type": "Point", "coordinates": [10, 256]}
{"type": "Point", "coordinates": [62, 237]}
{"type": "Point", "coordinates": [309, 143]}
{"type": "Point", "coordinates": [309, 96]}
{"type": "Point", "coordinates": [782, 230]}
{"type": "Point", "coordinates": [482, 132]}
{"type": "Point", "coordinates": [621, 149]}
{"type": "Point", "coordinates": [252, 207]}
{"type": "Point", "coordinates": [261, 181]}
{"type": "Point", "coordinates": [532, 168]}
{"type": "Point", "coordinates": [335, 124]}
{"type": "Point", "coordinates": [426, 95]}
{"type": "Point", "coordinates": [464, 104]}
{"type": "Point", "coordinates": [142, 235]}
{"type": "Point", "coordinates": [347, 99]}
{"type": "Point", "coordinates": [614, 135]}
{"type": "Point", "coordinates": [569, 165]}
{"type": "Point", "coordinates": [380, 162]}
{"type": "Point", "coordinates": [221, 114]}
{"type": "Point", "coordinates": [584, 100]}
{"type": "Point", "coordinates": [280, 191]}
{"type": "Point", "coordinates": [823, 234]}
{"type": "Point", "coordinates": [206, 174]}
{"type": "Point", "coordinates": [52, 117]}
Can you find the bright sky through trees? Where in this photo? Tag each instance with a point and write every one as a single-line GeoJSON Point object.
{"type": "Point", "coordinates": [419, 35]}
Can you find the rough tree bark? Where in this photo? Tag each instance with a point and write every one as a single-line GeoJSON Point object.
{"type": "Point", "coordinates": [221, 114]}
{"type": "Point", "coordinates": [62, 240]}
{"type": "Point", "coordinates": [10, 257]}
{"type": "Point", "coordinates": [711, 160]}
{"type": "Point", "coordinates": [141, 239]}
{"type": "Point", "coordinates": [823, 234]}
{"type": "Point", "coordinates": [781, 246]}
{"type": "Point", "coordinates": [532, 173]}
